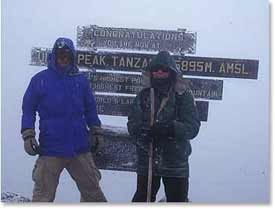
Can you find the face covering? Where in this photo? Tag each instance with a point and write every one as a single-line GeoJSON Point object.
{"type": "Point", "coordinates": [162, 85]}
{"type": "Point", "coordinates": [161, 80]}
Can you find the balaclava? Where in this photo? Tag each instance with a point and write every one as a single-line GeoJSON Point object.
{"type": "Point", "coordinates": [162, 79]}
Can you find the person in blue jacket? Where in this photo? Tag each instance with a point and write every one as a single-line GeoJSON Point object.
{"type": "Point", "coordinates": [63, 99]}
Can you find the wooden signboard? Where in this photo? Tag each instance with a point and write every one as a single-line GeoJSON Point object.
{"type": "Point", "coordinates": [177, 41]}
{"type": "Point", "coordinates": [132, 84]}
{"type": "Point", "coordinates": [119, 106]}
{"type": "Point", "coordinates": [118, 152]}
{"type": "Point", "coordinates": [193, 66]}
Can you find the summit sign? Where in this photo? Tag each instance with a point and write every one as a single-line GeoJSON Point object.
{"type": "Point", "coordinates": [115, 76]}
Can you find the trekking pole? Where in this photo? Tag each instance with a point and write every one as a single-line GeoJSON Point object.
{"type": "Point", "coordinates": [150, 163]}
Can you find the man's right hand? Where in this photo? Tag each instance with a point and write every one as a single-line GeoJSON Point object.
{"type": "Point", "coordinates": [96, 139]}
{"type": "Point", "coordinates": [145, 132]}
{"type": "Point", "coordinates": [30, 144]}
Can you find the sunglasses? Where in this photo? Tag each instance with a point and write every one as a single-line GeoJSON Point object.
{"type": "Point", "coordinates": [160, 73]}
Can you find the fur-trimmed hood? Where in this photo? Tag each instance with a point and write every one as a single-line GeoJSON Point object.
{"type": "Point", "coordinates": [163, 58]}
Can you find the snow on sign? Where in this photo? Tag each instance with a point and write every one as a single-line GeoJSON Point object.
{"type": "Point", "coordinates": [189, 65]}
{"type": "Point", "coordinates": [177, 41]}
{"type": "Point", "coordinates": [118, 152]}
{"type": "Point", "coordinates": [120, 105]}
{"type": "Point", "coordinates": [132, 84]}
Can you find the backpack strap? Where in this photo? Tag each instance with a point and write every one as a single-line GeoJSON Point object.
{"type": "Point", "coordinates": [178, 104]}
{"type": "Point", "coordinates": [144, 95]}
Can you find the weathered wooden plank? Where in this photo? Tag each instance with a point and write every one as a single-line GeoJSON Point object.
{"type": "Point", "coordinates": [194, 66]}
{"type": "Point", "coordinates": [118, 152]}
{"type": "Point", "coordinates": [176, 41]}
{"type": "Point", "coordinates": [119, 106]}
{"type": "Point", "coordinates": [132, 84]}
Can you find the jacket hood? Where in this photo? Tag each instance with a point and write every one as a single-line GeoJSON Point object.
{"type": "Point", "coordinates": [52, 56]}
{"type": "Point", "coordinates": [163, 58]}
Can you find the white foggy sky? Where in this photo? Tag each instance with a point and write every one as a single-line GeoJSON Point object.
{"type": "Point", "coordinates": [230, 159]}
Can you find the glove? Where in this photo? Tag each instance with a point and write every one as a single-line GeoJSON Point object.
{"type": "Point", "coordinates": [30, 144]}
{"type": "Point", "coordinates": [163, 129]}
{"type": "Point", "coordinates": [96, 139]}
{"type": "Point", "coordinates": [145, 132]}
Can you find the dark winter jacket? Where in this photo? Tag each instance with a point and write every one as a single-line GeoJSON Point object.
{"type": "Point", "coordinates": [65, 104]}
{"type": "Point", "coordinates": [170, 155]}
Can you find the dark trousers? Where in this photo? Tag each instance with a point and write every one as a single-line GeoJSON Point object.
{"type": "Point", "coordinates": [176, 189]}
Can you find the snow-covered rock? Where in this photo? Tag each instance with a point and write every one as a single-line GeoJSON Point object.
{"type": "Point", "coordinates": [9, 197]}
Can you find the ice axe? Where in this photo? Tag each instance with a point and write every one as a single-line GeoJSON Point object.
{"type": "Point", "coordinates": [150, 161]}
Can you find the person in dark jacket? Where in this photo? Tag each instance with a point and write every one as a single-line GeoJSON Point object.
{"type": "Point", "coordinates": [63, 99]}
{"type": "Point", "coordinates": [176, 122]}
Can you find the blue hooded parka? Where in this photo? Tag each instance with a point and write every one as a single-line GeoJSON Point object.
{"type": "Point", "coordinates": [65, 104]}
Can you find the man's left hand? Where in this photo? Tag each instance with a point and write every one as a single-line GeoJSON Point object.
{"type": "Point", "coordinates": [163, 129]}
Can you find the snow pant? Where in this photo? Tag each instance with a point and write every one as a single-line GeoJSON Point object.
{"type": "Point", "coordinates": [176, 189]}
{"type": "Point", "coordinates": [81, 168]}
